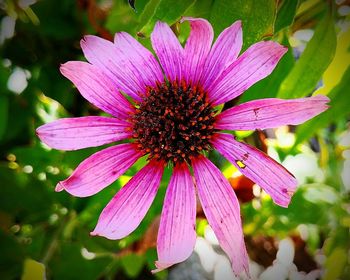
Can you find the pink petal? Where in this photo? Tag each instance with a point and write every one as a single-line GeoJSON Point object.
{"type": "Point", "coordinates": [141, 61]}
{"type": "Point", "coordinates": [197, 48]}
{"type": "Point", "coordinates": [168, 50]}
{"type": "Point", "coordinates": [253, 65]}
{"type": "Point", "coordinates": [105, 55]}
{"type": "Point", "coordinates": [259, 167]}
{"type": "Point", "coordinates": [83, 132]}
{"type": "Point", "coordinates": [128, 207]}
{"type": "Point", "coordinates": [221, 207]}
{"type": "Point", "coordinates": [271, 112]}
{"type": "Point", "coordinates": [100, 170]}
{"type": "Point", "coordinates": [96, 87]}
{"type": "Point", "coordinates": [223, 53]}
{"type": "Point", "coordinates": [177, 235]}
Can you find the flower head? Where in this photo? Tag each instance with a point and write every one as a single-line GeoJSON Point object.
{"type": "Point", "coordinates": [173, 118]}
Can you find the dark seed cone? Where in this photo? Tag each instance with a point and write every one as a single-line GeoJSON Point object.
{"type": "Point", "coordinates": [173, 122]}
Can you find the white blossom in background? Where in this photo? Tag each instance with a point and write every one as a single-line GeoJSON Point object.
{"type": "Point", "coordinates": [222, 269]}
{"type": "Point", "coordinates": [215, 265]}
{"type": "Point", "coordinates": [304, 166]}
{"type": "Point", "coordinates": [283, 267]}
{"type": "Point", "coordinates": [283, 264]}
{"type": "Point", "coordinates": [299, 41]}
{"type": "Point", "coordinates": [344, 10]}
{"type": "Point", "coordinates": [26, 3]}
{"type": "Point", "coordinates": [7, 28]}
{"type": "Point", "coordinates": [208, 257]}
{"type": "Point", "coordinates": [17, 81]}
{"type": "Point", "coordinates": [210, 236]}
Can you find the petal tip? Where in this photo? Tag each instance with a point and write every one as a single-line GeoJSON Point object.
{"type": "Point", "coordinates": [159, 24]}
{"type": "Point", "coordinates": [285, 201]}
{"type": "Point", "coordinates": [87, 38]}
{"type": "Point", "coordinates": [94, 233]}
{"type": "Point", "coordinates": [190, 19]}
{"type": "Point", "coordinates": [83, 41]}
{"type": "Point", "coordinates": [59, 187]}
{"type": "Point", "coordinates": [38, 131]}
{"type": "Point", "coordinates": [65, 68]}
{"type": "Point", "coordinates": [117, 36]}
{"type": "Point", "coordinates": [160, 266]}
{"type": "Point", "coordinates": [241, 272]}
{"type": "Point", "coordinates": [321, 97]}
{"type": "Point", "coordinates": [280, 50]}
{"type": "Point", "coordinates": [283, 204]}
{"type": "Point", "coordinates": [238, 23]}
{"type": "Point", "coordinates": [183, 19]}
{"type": "Point", "coordinates": [154, 271]}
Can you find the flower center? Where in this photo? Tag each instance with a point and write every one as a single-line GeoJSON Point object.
{"type": "Point", "coordinates": [173, 122]}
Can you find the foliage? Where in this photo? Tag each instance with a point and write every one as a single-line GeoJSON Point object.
{"type": "Point", "coordinates": [47, 233]}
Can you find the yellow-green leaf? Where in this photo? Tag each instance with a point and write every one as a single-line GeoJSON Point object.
{"type": "Point", "coordinates": [335, 264]}
{"type": "Point", "coordinates": [311, 65]}
{"type": "Point", "coordinates": [339, 107]}
{"type": "Point", "coordinates": [33, 270]}
{"type": "Point", "coordinates": [339, 65]}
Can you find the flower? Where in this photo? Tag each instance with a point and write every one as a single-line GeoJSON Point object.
{"type": "Point", "coordinates": [171, 115]}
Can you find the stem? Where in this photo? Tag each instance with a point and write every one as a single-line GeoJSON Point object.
{"type": "Point", "coordinates": [51, 249]}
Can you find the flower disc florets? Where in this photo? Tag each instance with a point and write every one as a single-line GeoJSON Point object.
{"type": "Point", "coordinates": [173, 122]}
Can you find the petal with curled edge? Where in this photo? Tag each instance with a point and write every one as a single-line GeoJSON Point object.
{"type": "Point", "coordinates": [197, 48]}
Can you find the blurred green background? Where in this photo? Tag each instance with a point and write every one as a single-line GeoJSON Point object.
{"type": "Point", "coordinates": [46, 234]}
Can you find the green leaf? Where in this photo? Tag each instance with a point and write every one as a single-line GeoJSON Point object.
{"type": "Point", "coordinates": [285, 14]}
{"type": "Point", "coordinates": [257, 17]}
{"type": "Point", "coordinates": [315, 59]}
{"type": "Point", "coordinates": [147, 12]}
{"type": "Point", "coordinates": [139, 5]}
{"type": "Point", "coordinates": [69, 263]}
{"type": "Point", "coordinates": [121, 18]}
{"type": "Point", "coordinates": [335, 264]}
{"type": "Point", "coordinates": [4, 75]}
{"type": "Point", "coordinates": [132, 264]}
{"type": "Point", "coordinates": [168, 11]}
{"type": "Point", "coordinates": [339, 107]}
{"type": "Point", "coordinates": [33, 270]}
{"type": "Point", "coordinates": [11, 257]}
{"type": "Point", "coordinates": [201, 8]}
{"type": "Point", "coordinates": [3, 114]}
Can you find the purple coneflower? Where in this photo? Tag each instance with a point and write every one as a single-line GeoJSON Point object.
{"type": "Point", "coordinates": [173, 118]}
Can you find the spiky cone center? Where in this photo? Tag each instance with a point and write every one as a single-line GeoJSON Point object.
{"type": "Point", "coordinates": [174, 122]}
